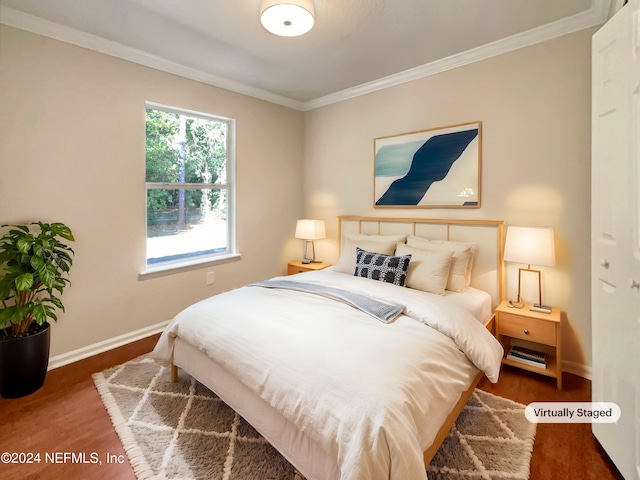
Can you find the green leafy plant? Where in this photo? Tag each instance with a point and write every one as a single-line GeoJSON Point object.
{"type": "Point", "coordinates": [33, 269]}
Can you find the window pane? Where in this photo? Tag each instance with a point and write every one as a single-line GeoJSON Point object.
{"type": "Point", "coordinates": [184, 223]}
{"type": "Point", "coordinates": [182, 148]}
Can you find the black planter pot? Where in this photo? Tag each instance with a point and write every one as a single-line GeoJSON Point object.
{"type": "Point", "coordinates": [24, 362]}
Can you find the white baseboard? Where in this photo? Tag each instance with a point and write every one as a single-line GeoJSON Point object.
{"type": "Point", "coordinates": [100, 347]}
{"type": "Point", "coordinates": [579, 369]}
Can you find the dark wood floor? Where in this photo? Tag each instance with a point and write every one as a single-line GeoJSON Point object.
{"type": "Point", "coordinates": [561, 450]}
{"type": "Point", "coordinates": [67, 415]}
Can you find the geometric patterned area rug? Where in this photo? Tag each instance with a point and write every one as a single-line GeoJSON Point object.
{"type": "Point", "coordinates": [491, 439]}
{"type": "Point", "coordinates": [184, 431]}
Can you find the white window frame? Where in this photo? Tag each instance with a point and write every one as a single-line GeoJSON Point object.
{"type": "Point", "coordinates": [178, 265]}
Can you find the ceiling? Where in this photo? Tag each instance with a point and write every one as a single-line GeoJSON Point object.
{"type": "Point", "coordinates": [356, 46]}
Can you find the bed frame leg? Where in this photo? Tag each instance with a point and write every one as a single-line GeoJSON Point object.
{"type": "Point", "coordinates": [174, 374]}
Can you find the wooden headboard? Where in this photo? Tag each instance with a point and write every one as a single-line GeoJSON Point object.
{"type": "Point", "coordinates": [488, 269]}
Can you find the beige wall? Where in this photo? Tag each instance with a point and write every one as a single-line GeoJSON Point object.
{"type": "Point", "coordinates": [72, 150]}
{"type": "Point", "coordinates": [74, 119]}
{"type": "Point", "coordinates": [534, 105]}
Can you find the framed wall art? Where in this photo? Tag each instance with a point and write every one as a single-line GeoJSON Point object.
{"type": "Point", "coordinates": [435, 168]}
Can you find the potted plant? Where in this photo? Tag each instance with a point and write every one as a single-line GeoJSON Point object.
{"type": "Point", "coordinates": [33, 267]}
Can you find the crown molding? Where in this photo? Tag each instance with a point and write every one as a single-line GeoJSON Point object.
{"type": "Point", "coordinates": [40, 26]}
{"type": "Point", "coordinates": [596, 15]}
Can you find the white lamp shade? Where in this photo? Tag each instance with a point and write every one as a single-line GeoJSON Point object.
{"type": "Point", "coordinates": [310, 229]}
{"type": "Point", "coordinates": [287, 18]}
{"type": "Point", "coordinates": [530, 245]}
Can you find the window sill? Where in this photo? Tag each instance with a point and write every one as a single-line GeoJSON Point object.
{"type": "Point", "coordinates": [185, 266]}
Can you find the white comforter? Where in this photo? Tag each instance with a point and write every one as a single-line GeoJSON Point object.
{"type": "Point", "coordinates": [372, 394]}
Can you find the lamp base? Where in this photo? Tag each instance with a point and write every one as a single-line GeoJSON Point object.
{"type": "Point", "coordinates": [516, 304]}
{"type": "Point", "coordinates": [306, 261]}
{"type": "Point", "coordinates": [540, 308]}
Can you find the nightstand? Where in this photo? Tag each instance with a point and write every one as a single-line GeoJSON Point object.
{"type": "Point", "coordinates": [299, 267]}
{"type": "Point", "coordinates": [534, 327]}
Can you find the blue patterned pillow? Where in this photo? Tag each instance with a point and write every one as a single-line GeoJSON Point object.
{"type": "Point", "coordinates": [378, 266]}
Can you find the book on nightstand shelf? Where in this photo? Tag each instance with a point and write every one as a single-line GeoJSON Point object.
{"type": "Point", "coordinates": [528, 356]}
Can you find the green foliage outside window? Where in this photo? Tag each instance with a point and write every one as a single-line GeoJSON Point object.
{"type": "Point", "coordinates": [182, 149]}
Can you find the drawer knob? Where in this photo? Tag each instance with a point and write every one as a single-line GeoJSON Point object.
{"type": "Point", "coordinates": [526, 332]}
{"type": "Point", "coordinates": [604, 263]}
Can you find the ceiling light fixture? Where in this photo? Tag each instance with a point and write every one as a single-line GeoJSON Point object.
{"type": "Point", "coordinates": [287, 18]}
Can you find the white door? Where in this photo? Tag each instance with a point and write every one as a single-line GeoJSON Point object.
{"type": "Point", "coordinates": [634, 157]}
{"type": "Point", "coordinates": [615, 235]}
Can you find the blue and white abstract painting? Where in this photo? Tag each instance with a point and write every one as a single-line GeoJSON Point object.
{"type": "Point", "coordinates": [429, 169]}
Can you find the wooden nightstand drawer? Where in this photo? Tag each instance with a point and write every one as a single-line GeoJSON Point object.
{"type": "Point", "coordinates": [293, 269]}
{"type": "Point", "coordinates": [536, 328]}
{"type": "Point", "coordinates": [527, 329]}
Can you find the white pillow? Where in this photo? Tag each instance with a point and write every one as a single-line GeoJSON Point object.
{"type": "Point", "coordinates": [461, 262]}
{"type": "Point", "coordinates": [385, 244]}
{"type": "Point", "coordinates": [428, 269]}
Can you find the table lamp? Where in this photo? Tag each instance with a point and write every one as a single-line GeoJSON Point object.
{"type": "Point", "coordinates": [531, 246]}
{"type": "Point", "coordinates": [310, 230]}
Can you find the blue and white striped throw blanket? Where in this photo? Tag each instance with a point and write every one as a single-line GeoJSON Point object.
{"type": "Point", "coordinates": [382, 311]}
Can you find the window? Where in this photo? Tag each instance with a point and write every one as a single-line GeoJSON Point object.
{"type": "Point", "coordinates": [189, 184]}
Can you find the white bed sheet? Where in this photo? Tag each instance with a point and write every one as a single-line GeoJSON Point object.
{"type": "Point", "coordinates": [386, 441]}
{"type": "Point", "coordinates": [475, 301]}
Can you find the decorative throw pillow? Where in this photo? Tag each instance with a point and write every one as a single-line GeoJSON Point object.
{"type": "Point", "coordinates": [462, 260]}
{"type": "Point", "coordinates": [372, 243]}
{"type": "Point", "coordinates": [378, 266]}
{"type": "Point", "coordinates": [428, 271]}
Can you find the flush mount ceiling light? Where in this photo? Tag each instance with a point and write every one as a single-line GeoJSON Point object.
{"type": "Point", "coordinates": [287, 18]}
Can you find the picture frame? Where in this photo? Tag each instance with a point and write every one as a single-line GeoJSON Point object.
{"type": "Point", "coordinates": [434, 168]}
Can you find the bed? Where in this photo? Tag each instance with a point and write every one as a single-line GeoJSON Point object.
{"type": "Point", "coordinates": [339, 391]}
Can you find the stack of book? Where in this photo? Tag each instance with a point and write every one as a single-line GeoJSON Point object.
{"type": "Point", "coordinates": [528, 356]}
